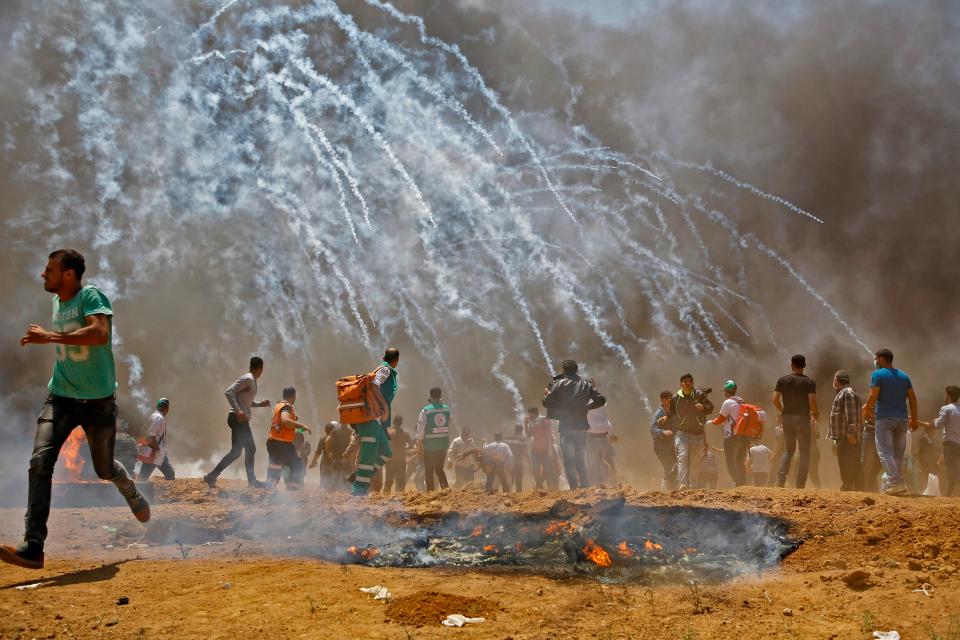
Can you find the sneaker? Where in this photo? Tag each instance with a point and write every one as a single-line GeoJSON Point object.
{"type": "Point", "coordinates": [257, 484]}
{"type": "Point", "coordinates": [22, 556]}
{"type": "Point", "coordinates": [897, 490]}
{"type": "Point", "coordinates": [140, 507]}
{"type": "Point", "coordinates": [352, 477]}
{"type": "Point", "coordinates": [210, 480]}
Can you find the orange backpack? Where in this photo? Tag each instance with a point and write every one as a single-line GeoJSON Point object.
{"type": "Point", "coordinates": [357, 401]}
{"type": "Point", "coordinates": [750, 422]}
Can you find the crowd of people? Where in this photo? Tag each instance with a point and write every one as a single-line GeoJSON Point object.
{"type": "Point", "coordinates": [571, 446]}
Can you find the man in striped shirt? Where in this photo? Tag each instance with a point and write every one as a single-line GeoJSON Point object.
{"type": "Point", "coordinates": [845, 421]}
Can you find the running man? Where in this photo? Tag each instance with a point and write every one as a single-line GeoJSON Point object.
{"type": "Point", "coordinates": [374, 442]}
{"type": "Point", "coordinates": [281, 451]}
{"type": "Point", "coordinates": [82, 392]}
{"type": "Point", "coordinates": [152, 451]}
{"type": "Point", "coordinates": [240, 395]}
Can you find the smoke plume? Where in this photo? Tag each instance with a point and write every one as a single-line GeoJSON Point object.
{"type": "Point", "coordinates": [490, 186]}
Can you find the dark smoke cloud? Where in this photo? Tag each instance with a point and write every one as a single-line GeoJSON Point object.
{"type": "Point", "coordinates": [849, 110]}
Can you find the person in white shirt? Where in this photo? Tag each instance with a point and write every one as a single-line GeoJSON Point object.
{"type": "Point", "coordinates": [152, 452]}
{"type": "Point", "coordinates": [760, 457]}
{"type": "Point", "coordinates": [497, 460]}
{"type": "Point", "coordinates": [597, 444]}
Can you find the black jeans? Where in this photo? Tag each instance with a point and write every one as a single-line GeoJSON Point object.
{"type": "Point", "coordinates": [279, 455]}
{"type": "Point", "coordinates": [573, 445]}
{"type": "Point", "coordinates": [951, 459]}
{"type": "Point", "coordinates": [735, 453]}
{"type": "Point", "coordinates": [165, 467]}
{"type": "Point", "coordinates": [796, 429]}
{"type": "Point", "coordinates": [58, 417]}
{"type": "Point", "coordinates": [241, 440]}
{"type": "Point", "coordinates": [851, 471]}
{"type": "Point", "coordinates": [433, 468]}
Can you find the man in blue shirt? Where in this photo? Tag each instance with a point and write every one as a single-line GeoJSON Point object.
{"type": "Point", "coordinates": [890, 390]}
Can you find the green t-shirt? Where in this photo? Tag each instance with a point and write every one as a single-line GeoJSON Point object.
{"type": "Point", "coordinates": [83, 372]}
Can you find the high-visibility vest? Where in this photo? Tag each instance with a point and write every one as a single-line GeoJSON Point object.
{"type": "Point", "coordinates": [279, 431]}
{"type": "Point", "coordinates": [436, 435]}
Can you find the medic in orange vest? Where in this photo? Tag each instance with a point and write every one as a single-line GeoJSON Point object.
{"type": "Point", "coordinates": [280, 448]}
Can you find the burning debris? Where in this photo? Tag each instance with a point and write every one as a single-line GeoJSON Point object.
{"type": "Point", "coordinates": [621, 544]}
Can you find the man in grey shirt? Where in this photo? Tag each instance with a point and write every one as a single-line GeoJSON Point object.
{"type": "Point", "coordinates": [241, 397]}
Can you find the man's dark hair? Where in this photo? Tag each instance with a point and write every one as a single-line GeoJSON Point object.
{"type": "Point", "coordinates": [289, 392]}
{"type": "Point", "coordinates": [686, 376]}
{"type": "Point", "coordinates": [435, 393]}
{"type": "Point", "coordinates": [799, 361]}
{"type": "Point", "coordinates": [498, 437]}
{"type": "Point", "coordinates": [70, 260]}
{"type": "Point", "coordinates": [569, 367]}
{"type": "Point", "coordinates": [886, 354]}
{"type": "Point", "coordinates": [391, 355]}
{"type": "Point", "coordinates": [953, 392]}
{"type": "Point", "coordinates": [256, 362]}
{"type": "Point", "coordinates": [842, 376]}
{"type": "Point", "coordinates": [518, 428]}
{"type": "Point", "coordinates": [533, 410]}
{"type": "Point", "coordinates": [665, 394]}
{"type": "Point", "coordinates": [397, 421]}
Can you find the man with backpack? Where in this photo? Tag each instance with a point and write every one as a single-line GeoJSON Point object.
{"type": "Point", "coordinates": [280, 448]}
{"type": "Point", "coordinates": [365, 402]}
{"type": "Point", "coordinates": [735, 444]}
{"type": "Point", "coordinates": [433, 439]}
{"type": "Point", "coordinates": [568, 399]}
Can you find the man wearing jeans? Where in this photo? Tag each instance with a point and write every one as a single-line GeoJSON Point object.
{"type": "Point", "coordinates": [795, 397]}
{"type": "Point", "coordinates": [688, 413]}
{"type": "Point", "coordinates": [240, 395]}
{"type": "Point", "coordinates": [735, 447]}
{"type": "Point", "coordinates": [82, 392]}
{"type": "Point", "coordinates": [568, 399]}
{"type": "Point", "coordinates": [890, 390]}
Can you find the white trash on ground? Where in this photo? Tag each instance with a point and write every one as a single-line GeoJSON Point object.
{"type": "Point", "coordinates": [379, 592]}
{"type": "Point", "coordinates": [886, 635]}
{"type": "Point", "coordinates": [457, 620]}
{"type": "Point", "coordinates": [29, 586]}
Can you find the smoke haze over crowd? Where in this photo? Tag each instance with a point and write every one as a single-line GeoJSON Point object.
{"type": "Point", "coordinates": [703, 186]}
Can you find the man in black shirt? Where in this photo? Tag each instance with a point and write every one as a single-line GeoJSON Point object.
{"type": "Point", "coordinates": [795, 398]}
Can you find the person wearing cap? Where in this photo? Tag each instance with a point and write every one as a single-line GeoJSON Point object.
{"type": "Point", "coordinates": [281, 451]}
{"type": "Point", "coordinates": [844, 430]}
{"type": "Point", "coordinates": [152, 452]}
{"type": "Point", "coordinates": [735, 448]}
{"type": "Point", "coordinates": [568, 398]}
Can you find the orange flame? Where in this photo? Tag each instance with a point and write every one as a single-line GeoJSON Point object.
{"type": "Point", "coordinates": [477, 532]}
{"type": "Point", "coordinates": [625, 550]}
{"type": "Point", "coordinates": [352, 550]}
{"type": "Point", "coordinates": [73, 462]}
{"type": "Point", "coordinates": [491, 548]}
{"type": "Point", "coordinates": [691, 549]}
{"type": "Point", "coordinates": [596, 554]}
{"type": "Point", "coordinates": [369, 553]}
{"type": "Point", "coordinates": [649, 545]}
{"type": "Point", "coordinates": [561, 526]}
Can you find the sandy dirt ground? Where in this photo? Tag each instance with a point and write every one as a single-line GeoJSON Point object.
{"type": "Point", "coordinates": [862, 567]}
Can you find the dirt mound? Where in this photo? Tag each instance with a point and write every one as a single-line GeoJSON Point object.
{"type": "Point", "coordinates": [429, 608]}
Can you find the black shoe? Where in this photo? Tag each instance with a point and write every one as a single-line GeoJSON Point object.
{"type": "Point", "coordinates": [210, 480]}
{"type": "Point", "coordinates": [256, 484]}
{"type": "Point", "coordinates": [140, 507]}
{"type": "Point", "coordinates": [22, 556]}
